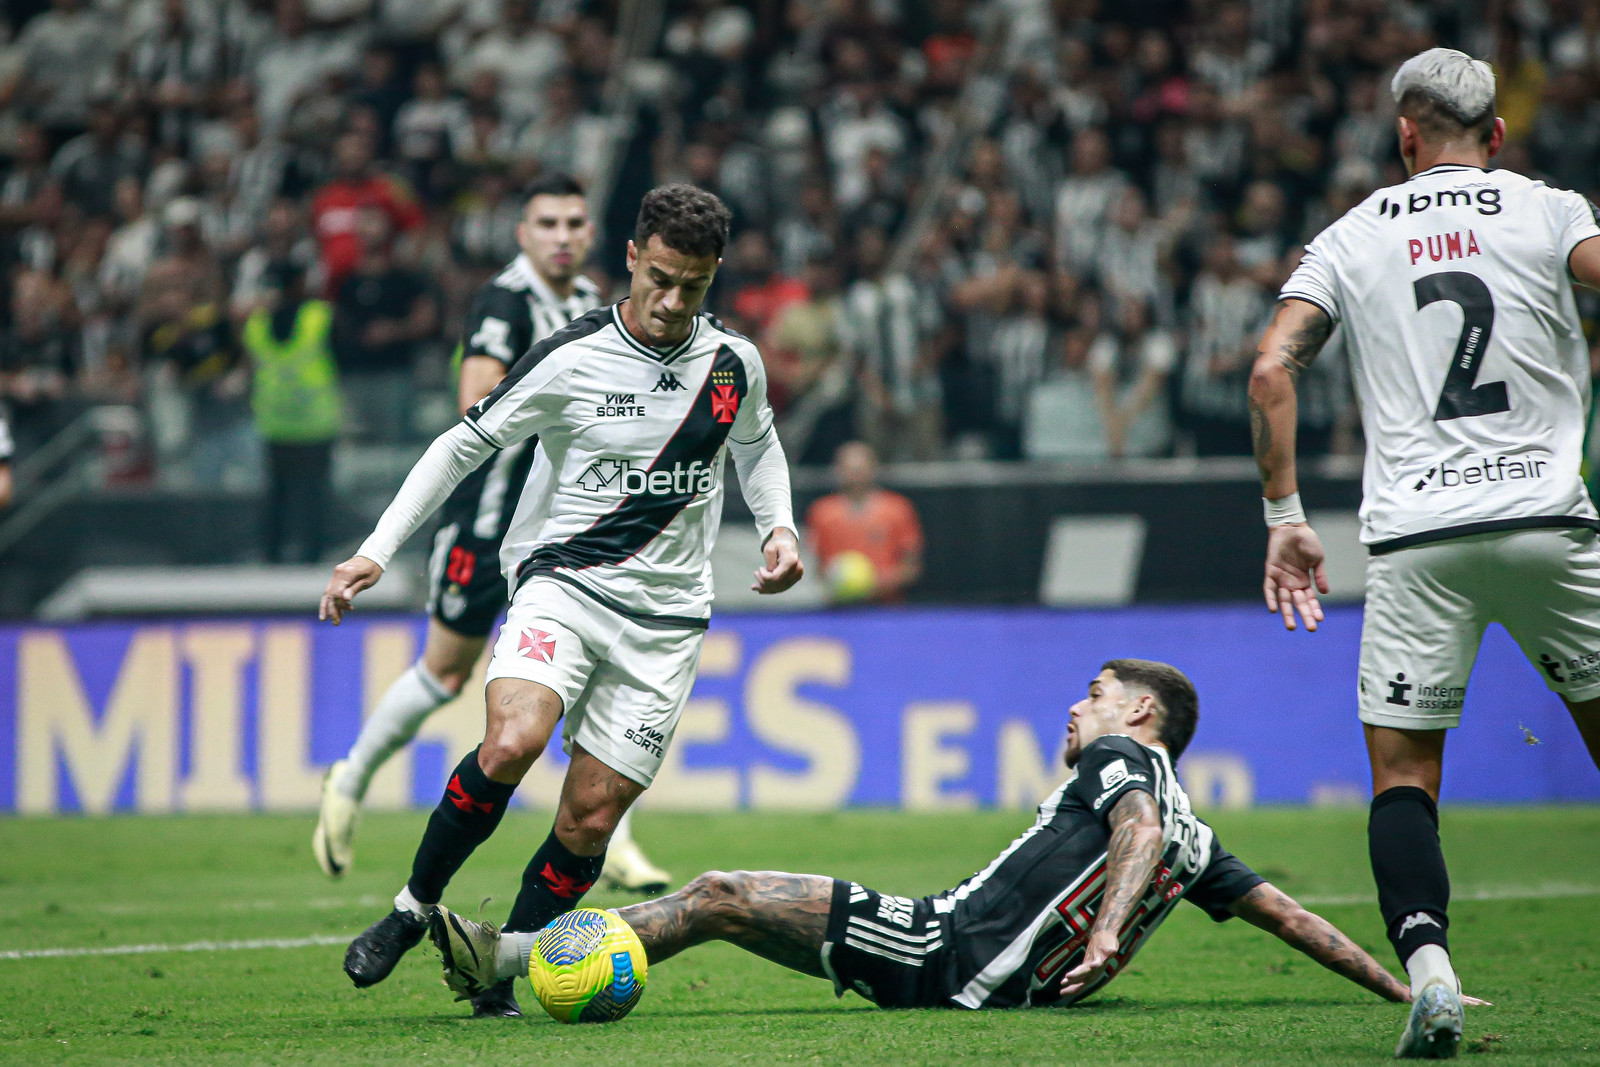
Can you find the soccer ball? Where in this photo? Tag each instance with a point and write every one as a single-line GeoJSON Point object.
{"type": "Point", "coordinates": [588, 966]}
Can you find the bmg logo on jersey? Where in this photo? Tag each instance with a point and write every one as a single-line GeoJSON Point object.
{"type": "Point", "coordinates": [1482, 470]}
{"type": "Point", "coordinates": [1486, 198]}
{"type": "Point", "coordinates": [619, 475]}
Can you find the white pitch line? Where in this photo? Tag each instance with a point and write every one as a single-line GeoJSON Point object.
{"type": "Point", "coordinates": [1510, 892]}
{"type": "Point", "coordinates": [192, 946]}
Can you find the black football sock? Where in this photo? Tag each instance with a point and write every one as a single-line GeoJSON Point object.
{"type": "Point", "coordinates": [467, 814]}
{"type": "Point", "coordinates": [555, 880]}
{"type": "Point", "coordinates": [1408, 865]}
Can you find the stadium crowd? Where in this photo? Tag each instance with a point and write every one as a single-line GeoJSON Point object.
{"type": "Point", "coordinates": [1089, 286]}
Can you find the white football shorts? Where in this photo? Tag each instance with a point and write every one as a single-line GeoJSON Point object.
{"type": "Point", "coordinates": [623, 683]}
{"type": "Point", "coordinates": [1427, 608]}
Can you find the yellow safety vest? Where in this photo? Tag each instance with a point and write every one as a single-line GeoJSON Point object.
{"type": "Point", "coordinates": [295, 395]}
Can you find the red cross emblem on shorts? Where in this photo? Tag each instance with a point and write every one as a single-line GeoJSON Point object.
{"type": "Point", "coordinates": [536, 644]}
{"type": "Point", "coordinates": [724, 403]}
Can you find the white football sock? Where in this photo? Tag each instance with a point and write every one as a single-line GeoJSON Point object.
{"type": "Point", "coordinates": [624, 831]}
{"type": "Point", "coordinates": [404, 901]}
{"type": "Point", "coordinates": [511, 955]}
{"type": "Point", "coordinates": [405, 706]}
{"type": "Point", "coordinates": [1429, 964]}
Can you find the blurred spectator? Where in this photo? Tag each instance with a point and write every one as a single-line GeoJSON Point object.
{"type": "Point", "coordinates": [886, 325]}
{"type": "Point", "coordinates": [383, 313]}
{"type": "Point", "coordinates": [337, 207]}
{"type": "Point", "coordinates": [67, 55]}
{"type": "Point", "coordinates": [429, 129]}
{"type": "Point", "coordinates": [295, 399]}
{"type": "Point", "coordinates": [38, 358]}
{"type": "Point", "coordinates": [283, 243]}
{"type": "Point", "coordinates": [1129, 364]}
{"type": "Point", "coordinates": [868, 540]}
{"type": "Point", "coordinates": [1063, 419]}
{"type": "Point", "coordinates": [89, 166]}
{"type": "Point", "coordinates": [294, 59]}
{"type": "Point", "coordinates": [132, 245]}
{"type": "Point", "coordinates": [1084, 198]}
{"type": "Point", "coordinates": [760, 293]}
{"type": "Point", "coordinates": [808, 382]}
{"type": "Point", "coordinates": [1228, 309]}
{"type": "Point", "coordinates": [1019, 351]}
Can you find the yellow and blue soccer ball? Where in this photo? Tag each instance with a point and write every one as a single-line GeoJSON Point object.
{"type": "Point", "coordinates": [588, 966]}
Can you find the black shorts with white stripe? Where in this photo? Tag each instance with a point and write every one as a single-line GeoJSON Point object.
{"type": "Point", "coordinates": [892, 950]}
{"type": "Point", "coordinates": [466, 589]}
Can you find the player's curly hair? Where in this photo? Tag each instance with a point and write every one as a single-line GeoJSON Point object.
{"type": "Point", "coordinates": [1180, 705]}
{"type": "Point", "coordinates": [686, 218]}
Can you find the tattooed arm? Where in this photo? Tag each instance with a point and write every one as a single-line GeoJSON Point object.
{"type": "Point", "coordinates": [1267, 907]}
{"type": "Point", "coordinates": [1131, 859]}
{"type": "Point", "coordinates": [1294, 572]}
{"type": "Point", "coordinates": [1292, 343]}
{"type": "Point", "coordinates": [780, 917]}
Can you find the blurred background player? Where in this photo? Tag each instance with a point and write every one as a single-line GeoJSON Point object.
{"type": "Point", "coordinates": [1055, 917]}
{"type": "Point", "coordinates": [868, 539]}
{"type": "Point", "coordinates": [636, 407]}
{"type": "Point", "coordinates": [537, 293]}
{"type": "Point", "coordinates": [1454, 293]}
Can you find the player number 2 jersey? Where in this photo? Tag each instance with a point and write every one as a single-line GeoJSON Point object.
{"type": "Point", "coordinates": [1465, 347]}
{"type": "Point", "coordinates": [625, 495]}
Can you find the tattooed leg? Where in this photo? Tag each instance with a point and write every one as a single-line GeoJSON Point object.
{"type": "Point", "coordinates": [779, 917]}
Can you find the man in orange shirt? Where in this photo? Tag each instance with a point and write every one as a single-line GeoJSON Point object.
{"type": "Point", "coordinates": [868, 540]}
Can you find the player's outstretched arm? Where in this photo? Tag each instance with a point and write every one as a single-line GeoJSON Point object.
{"type": "Point", "coordinates": [1294, 570]}
{"type": "Point", "coordinates": [453, 455]}
{"type": "Point", "coordinates": [779, 917]}
{"type": "Point", "coordinates": [1273, 911]}
{"type": "Point", "coordinates": [1131, 858]}
{"type": "Point", "coordinates": [349, 578]}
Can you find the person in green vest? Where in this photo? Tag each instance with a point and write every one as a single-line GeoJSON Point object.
{"type": "Point", "coordinates": [296, 403]}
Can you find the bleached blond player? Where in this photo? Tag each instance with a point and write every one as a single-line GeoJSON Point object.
{"type": "Point", "coordinates": [535, 295]}
{"type": "Point", "coordinates": [1454, 292]}
{"type": "Point", "coordinates": [635, 406]}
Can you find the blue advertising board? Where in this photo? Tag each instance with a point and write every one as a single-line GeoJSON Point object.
{"type": "Point", "coordinates": [923, 709]}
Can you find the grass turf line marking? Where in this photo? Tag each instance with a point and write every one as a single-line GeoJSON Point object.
{"type": "Point", "coordinates": [1552, 892]}
{"type": "Point", "coordinates": [192, 946]}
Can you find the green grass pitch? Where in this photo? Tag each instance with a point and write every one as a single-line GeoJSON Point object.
{"type": "Point", "coordinates": [1527, 884]}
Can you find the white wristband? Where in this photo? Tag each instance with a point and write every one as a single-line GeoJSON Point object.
{"type": "Point", "coordinates": [1284, 510]}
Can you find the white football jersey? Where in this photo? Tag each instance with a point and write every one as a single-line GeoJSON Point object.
{"type": "Point", "coordinates": [625, 495]}
{"type": "Point", "coordinates": [1465, 348]}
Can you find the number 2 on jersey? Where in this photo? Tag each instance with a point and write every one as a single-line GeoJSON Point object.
{"type": "Point", "coordinates": [1460, 398]}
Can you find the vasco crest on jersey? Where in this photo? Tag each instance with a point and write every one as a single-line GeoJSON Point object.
{"type": "Point", "coordinates": [724, 395]}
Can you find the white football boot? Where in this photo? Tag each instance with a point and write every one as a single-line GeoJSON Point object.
{"type": "Point", "coordinates": [628, 868]}
{"type": "Point", "coordinates": [1433, 1030]}
{"type": "Point", "coordinates": [468, 949]}
{"type": "Point", "coordinates": [336, 827]}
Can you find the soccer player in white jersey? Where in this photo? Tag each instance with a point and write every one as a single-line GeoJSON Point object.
{"type": "Point", "coordinates": [1454, 292]}
{"type": "Point", "coordinates": [636, 407]}
{"type": "Point", "coordinates": [535, 295]}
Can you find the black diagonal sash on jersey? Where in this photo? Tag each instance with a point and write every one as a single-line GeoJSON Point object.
{"type": "Point", "coordinates": [640, 517]}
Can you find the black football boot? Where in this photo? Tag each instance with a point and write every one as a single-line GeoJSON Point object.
{"type": "Point", "coordinates": [497, 1002]}
{"type": "Point", "coordinates": [374, 954]}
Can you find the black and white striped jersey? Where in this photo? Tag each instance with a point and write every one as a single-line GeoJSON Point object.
{"type": "Point", "coordinates": [625, 494]}
{"type": "Point", "coordinates": [1022, 922]}
{"type": "Point", "coordinates": [509, 314]}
